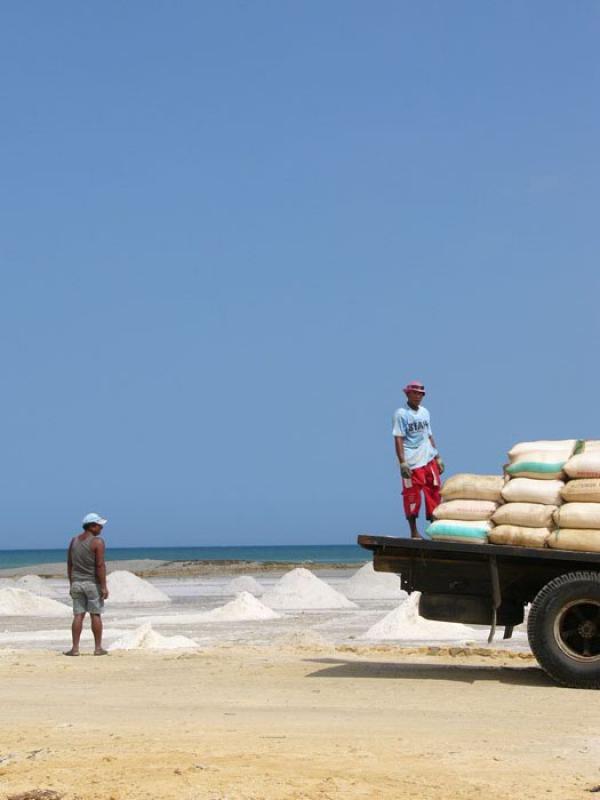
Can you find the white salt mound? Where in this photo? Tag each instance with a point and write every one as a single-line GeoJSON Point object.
{"type": "Point", "coordinates": [36, 585]}
{"type": "Point", "coordinates": [21, 603]}
{"type": "Point", "coordinates": [125, 587]}
{"type": "Point", "coordinates": [404, 623]}
{"type": "Point", "coordinates": [145, 638]}
{"type": "Point", "coordinates": [244, 583]}
{"type": "Point", "coordinates": [300, 589]}
{"type": "Point", "coordinates": [244, 607]}
{"type": "Point", "coordinates": [366, 584]}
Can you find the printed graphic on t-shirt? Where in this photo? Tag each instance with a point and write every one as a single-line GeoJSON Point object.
{"type": "Point", "coordinates": [415, 429]}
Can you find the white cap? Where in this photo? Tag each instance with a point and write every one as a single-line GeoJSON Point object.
{"type": "Point", "coordinates": [92, 518]}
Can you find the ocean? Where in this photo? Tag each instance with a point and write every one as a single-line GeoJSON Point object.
{"type": "Point", "coordinates": [297, 554]}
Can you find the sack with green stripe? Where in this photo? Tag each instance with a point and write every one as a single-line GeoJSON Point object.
{"type": "Point", "coordinates": [459, 530]}
{"type": "Point", "coordinates": [538, 465]}
{"type": "Point", "coordinates": [543, 460]}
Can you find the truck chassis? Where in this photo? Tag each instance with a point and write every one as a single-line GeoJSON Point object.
{"type": "Point", "coordinates": [483, 584]}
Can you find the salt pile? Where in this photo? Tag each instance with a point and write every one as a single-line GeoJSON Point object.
{"type": "Point", "coordinates": [145, 638]}
{"type": "Point", "coordinates": [21, 603]}
{"type": "Point", "coordinates": [366, 584]}
{"type": "Point", "coordinates": [125, 587]}
{"type": "Point", "coordinates": [244, 583]}
{"type": "Point", "coordinates": [245, 607]}
{"type": "Point", "coordinates": [36, 585]}
{"type": "Point", "coordinates": [405, 623]}
{"type": "Point", "coordinates": [300, 589]}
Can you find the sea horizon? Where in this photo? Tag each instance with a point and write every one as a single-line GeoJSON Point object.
{"type": "Point", "coordinates": [324, 553]}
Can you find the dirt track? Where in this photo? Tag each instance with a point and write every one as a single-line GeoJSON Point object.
{"type": "Point", "coordinates": [246, 723]}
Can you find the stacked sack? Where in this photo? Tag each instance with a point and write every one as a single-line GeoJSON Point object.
{"type": "Point", "coordinates": [469, 501]}
{"type": "Point", "coordinates": [532, 495]}
{"type": "Point", "coordinates": [578, 520]}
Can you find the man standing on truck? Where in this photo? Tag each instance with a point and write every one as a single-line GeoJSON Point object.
{"type": "Point", "coordinates": [87, 576]}
{"type": "Point", "coordinates": [420, 462]}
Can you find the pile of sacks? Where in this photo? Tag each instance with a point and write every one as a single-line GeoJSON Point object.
{"type": "Point", "coordinates": [577, 521]}
{"type": "Point", "coordinates": [549, 496]}
{"type": "Point", "coordinates": [469, 503]}
{"type": "Point", "coordinates": [532, 494]}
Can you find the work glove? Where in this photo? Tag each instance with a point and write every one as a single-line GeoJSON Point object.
{"type": "Point", "coordinates": [405, 470]}
{"type": "Point", "coordinates": [441, 465]}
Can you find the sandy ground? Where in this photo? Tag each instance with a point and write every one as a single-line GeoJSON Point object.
{"type": "Point", "coordinates": [243, 723]}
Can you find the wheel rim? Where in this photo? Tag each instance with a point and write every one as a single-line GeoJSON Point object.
{"type": "Point", "coordinates": [577, 630]}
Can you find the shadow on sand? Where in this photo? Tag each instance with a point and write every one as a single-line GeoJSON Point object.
{"type": "Point", "coordinates": [463, 673]}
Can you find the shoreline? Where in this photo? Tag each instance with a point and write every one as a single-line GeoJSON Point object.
{"type": "Point", "coordinates": [151, 568]}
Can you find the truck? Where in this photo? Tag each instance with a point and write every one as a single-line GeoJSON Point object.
{"type": "Point", "coordinates": [489, 584]}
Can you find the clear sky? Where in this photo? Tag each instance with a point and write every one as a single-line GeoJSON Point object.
{"type": "Point", "coordinates": [231, 231]}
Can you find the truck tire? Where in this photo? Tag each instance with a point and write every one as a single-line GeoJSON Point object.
{"type": "Point", "coordinates": [564, 629]}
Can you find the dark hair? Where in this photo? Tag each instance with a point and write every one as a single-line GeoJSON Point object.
{"type": "Point", "coordinates": [88, 525]}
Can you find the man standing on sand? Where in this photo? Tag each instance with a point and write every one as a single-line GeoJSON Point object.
{"type": "Point", "coordinates": [87, 576]}
{"type": "Point", "coordinates": [420, 463]}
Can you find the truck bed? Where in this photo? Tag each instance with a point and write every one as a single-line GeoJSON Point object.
{"type": "Point", "coordinates": [402, 547]}
{"type": "Point", "coordinates": [467, 582]}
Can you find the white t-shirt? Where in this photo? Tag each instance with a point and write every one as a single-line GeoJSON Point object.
{"type": "Point", "coordinates": [415, 429]}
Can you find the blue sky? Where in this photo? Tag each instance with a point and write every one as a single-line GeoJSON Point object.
{"type": "Point", "coordinates": [232, 231]}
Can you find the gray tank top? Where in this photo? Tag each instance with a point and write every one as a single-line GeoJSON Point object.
{"type": "Point", "coordinates": [83, 559]}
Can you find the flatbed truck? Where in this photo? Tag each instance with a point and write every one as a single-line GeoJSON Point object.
{"type": "Point", "coordinates": [488, 584]}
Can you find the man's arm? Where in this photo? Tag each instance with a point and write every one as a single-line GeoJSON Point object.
{"type": "Point", "coordinates": [99, 547]}
{"type": "Point", "coordinates": [70, 563]}
{"type": "Point", "coordinates": [399, 442]}
{"type": "Point", "coordinates": [438, 458]}
{"type": "Point", "coordinates": [404, 468]}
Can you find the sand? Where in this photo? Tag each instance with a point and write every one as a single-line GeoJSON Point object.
{"type": "Point", "coordinates": [270, 723]}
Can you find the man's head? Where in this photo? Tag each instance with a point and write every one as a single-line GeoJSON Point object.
{"type": "Point", "coordinates": [93, 523]}
{"type": "Point", "coordinates": [415, 392]}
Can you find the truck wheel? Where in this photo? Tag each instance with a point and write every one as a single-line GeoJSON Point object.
{"type": "Point", "coordinates": [564, 629]}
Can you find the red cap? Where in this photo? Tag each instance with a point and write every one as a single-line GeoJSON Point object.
{"type": "Point", "coordinates": [414, 386]}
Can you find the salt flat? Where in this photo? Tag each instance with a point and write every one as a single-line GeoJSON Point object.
{"type": "Point", "coordinates": [190, 598]}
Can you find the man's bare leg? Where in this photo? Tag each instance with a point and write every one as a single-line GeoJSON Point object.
{"type": "Point", "coordinates": [414, 533]}
{"type": "Point", "coordinates": [97, 631]}
{"type": "Point", "coordinates": [76, 628]}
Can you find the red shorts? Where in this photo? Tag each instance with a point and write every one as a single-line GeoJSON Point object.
{"type": "Point", "coordinates": [424, 479]}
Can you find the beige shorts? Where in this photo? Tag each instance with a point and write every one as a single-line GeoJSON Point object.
{"type": "Point", "coordinates": [86, 597]}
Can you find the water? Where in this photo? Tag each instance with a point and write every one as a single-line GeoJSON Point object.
{"type": "Point", "coordinates": [297, 554]}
